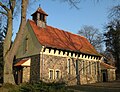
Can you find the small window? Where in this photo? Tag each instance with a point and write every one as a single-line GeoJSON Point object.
{"type": "Point", "coordinates": [25, 44]}
{"type": "Point", "coordinates": [68, 66]}
{"type": "Point", "coordinates": [98, 66]}
{"type": "Point", "coordinates": [77, 67]}
{"type": "Point", "coordinates": [89, 68]}
{"type": "Point", "coordinates": [83, 66]}
{"type": "Point", "coordinates": [42, 17]}
{"type": "Point", "coordinates": [57, 74]}
{"type": "Point", "coordinates": [26, 47]}
{"type": "Point", "coordinates": [95, 67]}
{"type": "Point", "coordinates": [51, 74]}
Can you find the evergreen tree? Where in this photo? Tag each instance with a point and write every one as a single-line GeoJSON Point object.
{"type": "Point", "coordinates": [112, 36]}
{"type": "Point", "coordinates": [1, 62]}
{"type": "Point", "coordinates": [1, 55]}
{"type": "Point", "coordinates": [3, 31]}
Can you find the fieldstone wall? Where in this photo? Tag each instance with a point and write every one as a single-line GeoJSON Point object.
{"type": "Point", "coordinates": [50, 62]}
{"type": "Point", "coordinates": [42, 64]}
{"type": "Point", "coordinates": [90, 72]}
{"type": "Point", "coordinates": [111, 74]}
{"type": "Point", "coordinates": [35, 68]}
{"type": "Point", "coordinates": [58, 63]}
{"type": "Point", "coordinates": [55, 63]}
{"type": "Point", "coordinates": [26, 74]}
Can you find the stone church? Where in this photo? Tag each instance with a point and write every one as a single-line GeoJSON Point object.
{"type": "Point", "coordinates": [54, 55]}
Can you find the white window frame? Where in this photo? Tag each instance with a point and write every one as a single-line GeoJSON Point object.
{"type": "Point", "coordinates": [50, 74]}
{"type": "Point", "coordinates": [68, 66]}
{"type": "Point", "coordinates": [56, 74]}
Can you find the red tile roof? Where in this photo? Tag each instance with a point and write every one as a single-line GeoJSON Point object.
{"type": "Point", "coordinates": [107, 65]}
{"type": "Point", "coordinates": [56, 38]}
{"type": "Point", "coordinates": [39, 10]}
{"type": "Point", "coordinates": [21, 62]}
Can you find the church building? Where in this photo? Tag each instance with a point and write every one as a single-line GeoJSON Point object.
{"type": "Point", "coordinates": [54, 55]}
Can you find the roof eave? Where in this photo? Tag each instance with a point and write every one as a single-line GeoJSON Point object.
{"type": "Point", "coordinates": [73, 51]}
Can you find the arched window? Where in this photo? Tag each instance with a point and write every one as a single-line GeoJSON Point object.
{"type": "Point", "coordinates": [57, 74]}
{"type": "Point", "coordinates": [68, 66]}
{"type": "Point", "coordinates": [95, 64]}
{"type": "Point", "coordinates": [51, 74]}
{"type": "Point", "coordinates": [83, 67]}
{"type": "Point", "coordinates": [89, 67]}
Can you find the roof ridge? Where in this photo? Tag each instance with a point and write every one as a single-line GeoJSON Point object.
{"type": "Point", "coordinates": [67, 31]}
{"type": "Point", "coordinates": [62, 30]}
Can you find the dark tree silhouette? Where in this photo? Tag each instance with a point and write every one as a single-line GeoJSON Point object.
{"type": "Point", "coordinates": [112, 36]}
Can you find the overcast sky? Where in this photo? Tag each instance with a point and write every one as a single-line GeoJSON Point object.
{"type": "Point", "coordinates": [62, 16]}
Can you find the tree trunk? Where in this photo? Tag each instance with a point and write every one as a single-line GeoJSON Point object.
{"type": "Point", "coordinates": [7, 41]}
{"type": "Point", "coordinates": [8, 71]}
{"type": "Point", "coordinates": [20, 33]}
{"type": "Point", "coordinates": [10, 52]}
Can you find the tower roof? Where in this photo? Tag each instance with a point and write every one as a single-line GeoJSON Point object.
{"type": "Point", "coordinates": [39, 10]}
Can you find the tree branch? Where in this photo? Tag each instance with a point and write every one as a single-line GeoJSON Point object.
{"type": "Point", "coordinates": [74, 2]}
{"type": "Point", "coordinates": [4, 7]}
{"type": "Point", "coordinates": [4, 13]}
{"type": "Point", "coordinates": [18, 40]}
{"type": "Point", "coordinates": [12, 5]}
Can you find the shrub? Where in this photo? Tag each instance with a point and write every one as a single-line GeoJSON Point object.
{"type": "Point", "coordinates": [26, 88]}
{"type": "Point", "coordinates": [10, 88]}
{"type": "Point", "coordinates": [37, 87]}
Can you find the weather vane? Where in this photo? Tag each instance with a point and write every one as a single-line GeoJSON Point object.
{"type": "Point", "coordinates": [39, 5]}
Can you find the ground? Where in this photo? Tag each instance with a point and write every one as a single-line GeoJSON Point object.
{"type": "Point", "coordinates": [113, 86]}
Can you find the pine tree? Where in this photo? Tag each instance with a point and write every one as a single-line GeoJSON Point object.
{"type": "Point", "coordinates": [112, 40]}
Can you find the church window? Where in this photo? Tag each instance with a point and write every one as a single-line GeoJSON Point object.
{"type": "Point", "coordinates": [57, 74]}
{"type": "Point", "coordinates": [83, 67]}
{"type": "Point", "coordinates": [89, 67]}
{"type": "Point", "coordinates": [98, 66]}
{"type": "Point", "coordinates": [42, 17]}
{"type": "Point", "coordinates": [95, 68]}
{"type": "Point", "coordinates": [68, 66]}
{"type": "Point", "coordinates": [25, 44]}
{"type": "Point", "coordinates": [51, 74]}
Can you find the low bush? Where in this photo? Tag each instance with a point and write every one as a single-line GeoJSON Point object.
{"type": "Point", "coordinates": [38, 87]}
{"type": "Point", "coordinates": [10, 88]}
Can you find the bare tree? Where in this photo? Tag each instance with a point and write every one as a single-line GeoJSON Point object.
{"type": "Point", "coordinates": [93, 35]}
{"type": "Point", "coordinates": [72, 3]}
{"type": "Point", "coordinates": [114, 13]}
{"type": "Point", "coordinates": [10, 50]}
